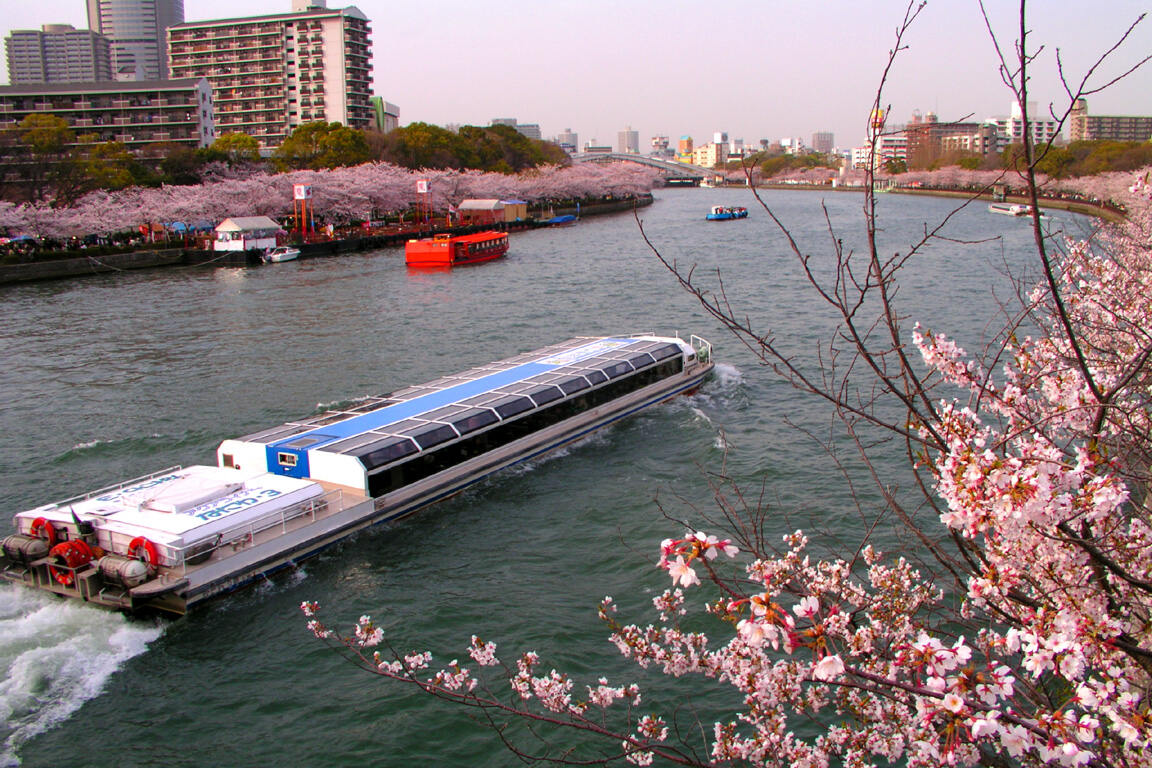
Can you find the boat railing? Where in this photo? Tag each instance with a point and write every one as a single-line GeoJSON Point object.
{"type": "Point", "coordinates": [242, 536]}
{"type": "Point", "coordinates": [703, 348]}
{"type": "Point", "coordinates": [116, 487]}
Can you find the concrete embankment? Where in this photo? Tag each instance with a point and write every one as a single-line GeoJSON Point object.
{"type": "Point", "coordinates": [120, 262]}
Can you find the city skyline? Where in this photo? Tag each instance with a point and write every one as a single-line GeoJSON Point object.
{"type": "Point", "coordinates": [763, 73]}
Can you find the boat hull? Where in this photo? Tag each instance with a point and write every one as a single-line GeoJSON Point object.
{"type": "Point", "coordinates": [251, 549]}
{"type": "Point", "coordinates": [454, 251]}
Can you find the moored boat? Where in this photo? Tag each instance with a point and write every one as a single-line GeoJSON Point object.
{"type": "Point", "coordinates": [726, 212]}
{"type": "Point", "coordinates": [280, 253]}
{"type": "Point", "coordinates": [172, 539]}
{"type": "Point", "coordinates": [454, 250]}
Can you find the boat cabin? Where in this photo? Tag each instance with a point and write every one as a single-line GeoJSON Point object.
{"type": "Point", "coordinates": [242, 233]}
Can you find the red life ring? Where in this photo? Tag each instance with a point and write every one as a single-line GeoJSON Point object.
{"type": "Point", "coordinates": [42, 524]}
{"type": "Point", "coordinates": [144, 551]}
{"type": "Point", "coordinates": [72, 554]}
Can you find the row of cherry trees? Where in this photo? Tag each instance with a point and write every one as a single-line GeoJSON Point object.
{"type": "Point", "coordinates": [341, 195]}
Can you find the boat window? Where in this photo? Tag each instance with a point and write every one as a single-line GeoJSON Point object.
{"type": "Point", "coordinates": [473, 419]}
{"type": "Point", "coordinates": [273, 434]}
{"type": "Point", "coordinates": [616, 369]}
{"type": "Point", "coordinates": [430, 434]}
{"type": "Point", "coordinates": [286, 459]}
{"type": "Point", "coordinates": [570, 384]}
{"type": "Point", "coordinates": [543, 394]}
{"type": "Point", "coordinates": [641, 360]}
{"type": "Point", "coordinates": [399, 427]}
{"type": "Point", "coordinates": [484, 399]}
{"type": "Point", "coordinates": [510, 405]}
{"type": "Point", "coordinates": [665, 351]}
{"type": "Point", "coordinates": [442, 414]}
{"type": "Point", "coordinates": [594, 376]}
{"type": "Point", "coordinates": [411, 393]}
{"type": "Point", "coordinates": [349, 444]}
{"type": "Point", "coordinates": [384, 451]}
{"type": "Point", "coordinates": [372, 405]}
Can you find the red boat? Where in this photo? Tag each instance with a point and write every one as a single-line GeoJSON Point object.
{"type": "Point", "coordinates": [451, 250]}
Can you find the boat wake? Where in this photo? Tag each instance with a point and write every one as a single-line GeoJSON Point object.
{"type": "Point", "coordinates": [127, 446]}
{"type": "Point", "coordinates": [56, 655]}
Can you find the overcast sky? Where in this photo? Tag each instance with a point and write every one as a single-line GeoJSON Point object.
{"type": "Point", "coordinates": [753, 68]}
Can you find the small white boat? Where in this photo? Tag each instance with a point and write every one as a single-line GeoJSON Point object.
{"type": "Point", "coordinates": [281, 253]}
{"type": "Point", "coordinates": [1011, 209]}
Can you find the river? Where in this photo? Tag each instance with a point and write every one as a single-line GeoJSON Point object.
{"type": "Point", "coordinates": [112, 376]}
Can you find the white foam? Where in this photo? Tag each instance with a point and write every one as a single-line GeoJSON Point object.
{"type": "Point", "coordinates": [56, 654]}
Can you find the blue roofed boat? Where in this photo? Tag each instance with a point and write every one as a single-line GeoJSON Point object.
{"type": "Point", "coordinates": [726, 212]}
{"type": "Point", "coordinates": [174, 538]}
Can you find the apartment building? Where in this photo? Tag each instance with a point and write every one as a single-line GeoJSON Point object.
{"type": "Point", "coordinates": [272, 73]}
{"type": "Point", "coordinates": [57, 53]}
{"type": "Point", "coordinates": [135, 113]}
{"type": "Point", "coordinates": [1085, 127]}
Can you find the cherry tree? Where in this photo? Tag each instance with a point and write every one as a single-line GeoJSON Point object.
{"type": "Point", "coordinates": [1017, 629]}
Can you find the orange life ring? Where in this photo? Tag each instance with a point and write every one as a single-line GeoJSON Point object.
{"type": "Point", "coordinates": [72, 554]}
{"type": "Point", "coordinates": [144, 550]}
{"type": "Point", "coordinates": [42, 523]}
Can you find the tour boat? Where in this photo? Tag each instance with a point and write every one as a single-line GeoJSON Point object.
{"type": "Point", "coordinates": [724, 212]}
{"type": "Point", "coordinates": [1011, 209]}
{"type": "Point", "coordinates": [174, 538]}
{"type": "Point", "coordinates": [281, 253]}
{"type": "Point", "coordinates": [453, 250]}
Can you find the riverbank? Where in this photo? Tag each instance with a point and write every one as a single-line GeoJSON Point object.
{"type": "Point", "coordinates": [1073, 206]}
{"type": "Point", "coordinates": [351, 242]}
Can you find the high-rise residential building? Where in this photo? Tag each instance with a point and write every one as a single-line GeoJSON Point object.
{"type": "Point", "coordinates": [57, 53]}
{"type": "Point", "coordinates": [272, 73]}
{"type": "Point", "coordinates": [823, 142]}
{"type": "Point", "coordinates": [1011, 128]}
{"type": "Point", "coordinates": [628, 141]}
{"type": "Point", "coordinates": [137, 114]}
{"type": "Point", "coordinates": [1085, 127]}
{"type": "Point", "coordinates": [136, 29]}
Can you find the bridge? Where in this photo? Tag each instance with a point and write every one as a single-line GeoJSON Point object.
{"type": "Point", "coordinates": [674, 172]}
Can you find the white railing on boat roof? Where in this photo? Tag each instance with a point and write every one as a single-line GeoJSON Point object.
{"type": "Point", "coordinates": [242, 536]}
{"type": "Point", "coordinates": [115, 487]}
{"type": "Point", "coordinates": [703, 348]}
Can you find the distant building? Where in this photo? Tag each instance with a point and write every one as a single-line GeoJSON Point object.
{"type": "Point", "coordinates": [928, 139]}
{"type": "Point", "coordinates": [137, 114]}
{"type": "Point", "coordinates": [529, 130]}
{"type": "Point", "coordinates": [661, 147]}
{"type": "Point", "coordinates": [888, 147]}
{"type": "Point", "coordinates": [386, 116]}
{"type": "Point", "coordinates": [57, 53]}
{"type": "Point", "coordinates": [597, 149]}
{"type": "Point", "coordinates": [684, 150]}
{"type": "Point", "coordinates": [793, 145]}
{"type": "Point", "coordinates": [1085, 127]}
{"type": "Point", "coordinates": [136, 30]}
{"type": "Point", "coordinates": [1010, 129]}
{"type": "Point", "coordinates": [736, 148]}
{"type": "Point", "coordinates": [568, 140]}
{"type": "Point", "coordinates": [823, 142]}
{"type": "Point", "coordinates": [272, 73]}
{"type": "Point", "coordinates": [710, 155]}
{"type": "Point", "coordinates": [628, 141]}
